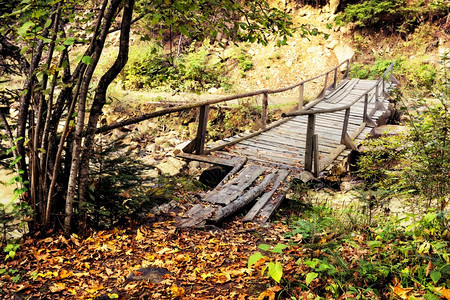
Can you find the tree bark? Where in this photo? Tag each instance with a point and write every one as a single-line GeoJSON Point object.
{"type": "Point", "coordinates": [243, 200]}
{"type": "Point", "coordinates": [100, 98]}
{"type": "Point", "coordinates": [98, 40]}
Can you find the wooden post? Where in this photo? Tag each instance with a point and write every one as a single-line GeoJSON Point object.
{"type": "Point", "coordinates": [376, 93]}
{"type": "Point", "coordinates": [309, 148]}
{"type": "Point", "coordinates": [201, 130]}
{"type": "Point", "coordinates": [345, 138]}
{"type": "Point", "coordinates": [264, 110]}
{"type": "Point", "coordinates": [316, 155]}
{"type": "Point", "coordinates": [335, 78]}
{"type": "Point", "coordinates": [325, 85]}
{"type": "Point", "coordinates": [366, 103]}
{"type": "Point", "coordinates": [345, 125]}
{"type": "Point", "coordinates": [301, 96]}
{"type": "Point", "coordinates": [347, 71]}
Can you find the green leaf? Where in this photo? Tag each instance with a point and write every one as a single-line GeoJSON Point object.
{"type": "Point", "coordinates": [254, 259]}
{"type": "Point", "coordinates": [69, 41]}
{"type": "Point", "coordinates": [60, 48]}
{"type": "Point", "coordinates": [375, 244]}
{"type": "Point", "coordinates": [435, 276]}
{"type": "Point", "coordinates": [310, 277]}
{"type": "Point", "coordinates": [86, 60]}
{"type": "Point", "coordinates": [264, 247]}
{"type": "Point", "coordinates": [312, 263]}
{"type": "Point", "coordinates": [275, 271]}
{"type": "Point", "coordinates": [183, 31]}
{"type": "Point", "coordinates": [25, 27]}
{"type": "Point", "coordinates": [279, 248]}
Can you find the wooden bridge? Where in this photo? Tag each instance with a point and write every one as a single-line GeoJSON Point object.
{"type": "Point", "coordinates": [305, 142]}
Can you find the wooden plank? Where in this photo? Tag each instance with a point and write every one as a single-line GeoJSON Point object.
{"type": "Point", "coordinates": [282, 174]}
{"type": "Point", "coordinates": [233, 188]}
{"type": "Point", "coordinates": [233, 171]}
{"type": "Point", "coordinates": [267, 211]}
{"type": "Point", "coordinates": [243, 200]}
{"type": "Point", "coordinates": [208, 159]}
{"type": "Point", "coordinates": [197, 215]}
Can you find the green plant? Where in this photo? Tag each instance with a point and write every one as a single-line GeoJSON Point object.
{"type": "Point", "coordinates": [274, 268]}
{"type": "Point", "coordinates": [401, 15]}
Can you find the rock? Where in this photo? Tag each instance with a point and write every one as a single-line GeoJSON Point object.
{"type": "Point", "coordinates": [152, 274]}
{"type": "Point", "coordinates": [160, 140]}
{"type": "Point", "coordinates": [172, 166]}
{"type": "Point", "coordinates": [149, 161]}
{"type": "Point", "coordinates": [194, 168]}
{"type": "Point", "coordinates": [332, 44]}
{"type": "Point", "coordinates": [342, 53]}
{"type": "Point", "coordinates": [212, 90]}
{"type": "Point", "coordinates": [333, 6]}
{"type": "Point", "coordinates": [388, 130]}
{"type": "Point", "coordinates": [151, 148]}
{"type": "Point", "coordinates": [151, 173]}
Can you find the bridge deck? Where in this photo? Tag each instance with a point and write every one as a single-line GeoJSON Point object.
{"type": "Point", "coordinates": [284, 145]}
{"type": "Point", "coordinates": [320, 133]}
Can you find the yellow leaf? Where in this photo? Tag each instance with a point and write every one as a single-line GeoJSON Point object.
{"type": "Point", "coordinates": [139, 235]}
{"type": "Point", "coordinates": [64, 274]}
{"type": "Point", "coordinates": [444, 292]}
{"type": "Point", "coordinates": [177, 291]}
{"type": "Point", "coordinates": [57, 287]}
{"type": "Point", "coordinates": [95, 289]}
{"type": "Point", "coordinates": [204, 275]}
{"type": "Point", "coordinates": [401, 292]}
{"type": "Point", "coordinates": [267, 293]}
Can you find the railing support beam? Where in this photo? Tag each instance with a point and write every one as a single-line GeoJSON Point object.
{"type": "Point", "coordinates": [264, 110]}
{"type": "Point", "coordinates": [301, 96]}
{"type": "Point", "coordinates": [309, 148]}
{"type": "Point", "coordinates": [201, 130]}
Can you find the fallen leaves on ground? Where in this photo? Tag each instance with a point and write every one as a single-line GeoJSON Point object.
{"type": "Point", "coordinates": [202, 264]}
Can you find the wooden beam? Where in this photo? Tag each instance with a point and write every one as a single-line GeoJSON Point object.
{"type": "Point", "coordinates": [309, 142]}
{"type": "Point", "coordinates": [209, 159]}
{"type": "Point", "coordinates": [316, 154]}
{"type": "Point", "coordinates": [243, 200]}
{"type": "Point", "coordinates": [201, 130]}
{"type": "Point", "coordinates": [236, 168]}
{"type": "Point", "coordinates": [264, 110]}
{"type": "Point", "coordinates": [282, 174]}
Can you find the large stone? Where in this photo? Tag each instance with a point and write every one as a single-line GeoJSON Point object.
{"type": "Point", "coordinates": [334, 4]}
{"type": "Point", "coordinates": [388, 130]}
{"type": "Point", "coordinates": [332, 44]}
{"type": "Point", "coordinates": [172, 166]}
{"type": "Point", "coordinates": [343, 52]}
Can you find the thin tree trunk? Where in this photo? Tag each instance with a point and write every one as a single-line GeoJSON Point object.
{"type": "Point", "coordinates": [100, 98]}
{"type": "Point", "coordinates": [86, 80]}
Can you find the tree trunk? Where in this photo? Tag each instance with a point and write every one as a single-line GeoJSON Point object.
{"type": "Point", "coordinates": [98, 40]}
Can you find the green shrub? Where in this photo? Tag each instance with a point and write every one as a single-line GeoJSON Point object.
{"type": "Point", "coordinates": [149, 67]}
{"type": "Point", "coordinates": [401, 15]}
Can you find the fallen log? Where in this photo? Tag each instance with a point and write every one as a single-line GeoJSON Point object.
{"type": "Point", "coordinates": [243, 200]}
{"type": "Point", "coordinates": [282, 174]}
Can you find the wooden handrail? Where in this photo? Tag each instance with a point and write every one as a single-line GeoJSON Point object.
{"type": "Point", "coordinates": [335, 109]}
{"type": "Point", "coordinates": [210, 102]}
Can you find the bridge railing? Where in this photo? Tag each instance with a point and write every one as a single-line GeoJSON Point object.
{"type": "Point", "coordinates": [312, 145]}
{"type": "Point", "coordinates": [197, 146]}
